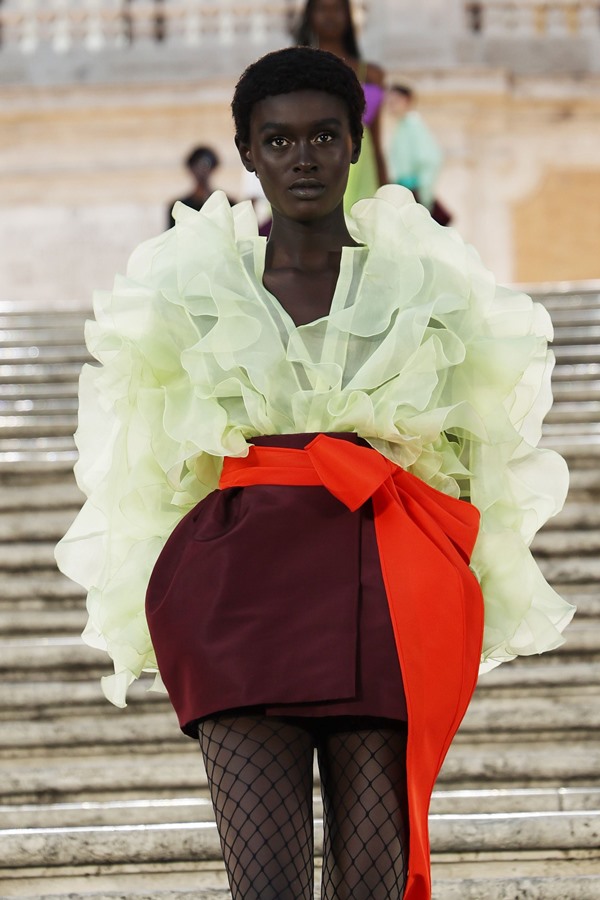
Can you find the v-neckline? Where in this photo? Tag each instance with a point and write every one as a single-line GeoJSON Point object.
{"type": "Point", "coordinates": [259, 259]}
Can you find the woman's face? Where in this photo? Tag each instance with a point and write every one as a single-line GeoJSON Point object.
{"type": "Point", "coordinates": [301, 148]}
{"type": "Point", "coordinates": [328, 19]}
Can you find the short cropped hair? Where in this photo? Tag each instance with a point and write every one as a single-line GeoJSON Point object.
{"type": "Point", "coordinates": [404, 90]}
{"type": "Point", "coordinates": [202, 155]}
{"type": "Point", "coordinates": [297, 69]}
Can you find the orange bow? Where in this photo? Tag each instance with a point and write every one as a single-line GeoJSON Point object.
{"type": "Point", "coordinates": [425, 539]}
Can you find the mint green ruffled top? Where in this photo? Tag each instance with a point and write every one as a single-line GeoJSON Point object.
{"type": "Point", "coordinates": [421, 354]}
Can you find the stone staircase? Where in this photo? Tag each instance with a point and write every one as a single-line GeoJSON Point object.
{"type": "Point", "coordinates": [103, 803]}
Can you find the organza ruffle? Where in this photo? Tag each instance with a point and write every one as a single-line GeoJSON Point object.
{"type": "Point", "coordinates": [422, 355]}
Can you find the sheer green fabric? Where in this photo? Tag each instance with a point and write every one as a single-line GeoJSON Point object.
{"type": "Point", "coordinates": [421, 354]}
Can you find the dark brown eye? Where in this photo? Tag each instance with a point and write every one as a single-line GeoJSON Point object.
{"type": "Point", "coordinates": [277, 141]}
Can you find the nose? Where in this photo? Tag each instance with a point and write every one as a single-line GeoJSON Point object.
{"type": "Point", "coordinates": [304, 161]}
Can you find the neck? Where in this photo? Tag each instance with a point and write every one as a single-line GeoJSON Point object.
{"type": "Point", "coordinates": [334, 46]}
{"type": "Point", "coordinates": [307, 245]}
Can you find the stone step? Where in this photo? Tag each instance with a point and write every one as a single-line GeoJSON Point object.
{"type": "Point", "coordinates": [562, 541]}
{"type": "Point", "coordinates": [57, 495]}
{"type": "Point", "coordinates": [572, 428]}
{"type": "Point", "coordinates": [122, 773]}
{"type": "Point", "coordinates": [583, 482]}
{"type": "Point", "coordinates": [36, 318]}
{"type": "Point", "coordinates": [569, 570]}
{"type": "Point", "coordinates": [486, 887]}
{"type": "Point", "coordinates": [55, 696]}
{"type": "Point", "coordinates": [40, 372]}
{"type": "Point", "coordinates": [34, 468]}
{"type": "Point", "coordinates": [198, 807]}
{"type": "Point", "coordinates": [42, 335]}
{"type": "Point", "coordinates": [577, 449]}
{"type": "Point", "coordinates": [570, 300]}
{"type": "Point", "coordinates": [536, 676]}
{"type": "Point", "coordinates": [576, 371]}
{"type": "Point", "coordinates": [133, 845]}
{"type": "Point", "coordinates": [47, 590]}
{"type": "Point", "coordinates": [47, 445]}
{"type": "Point", "coordinates": [44, 354]}
{"type": "Point", "coordinates": [585, 334]}
{"type": "Point", "coordinates": [23, 555]}
{"type": "Point", "coordinates": [38, 426]}
{"type": "Point", "coordinates": [45, 525]}
{"type": "Point", "coordinates": [574, 887]}
{"type": "Point", "coordinates": [20, 622]}
{"type": "Point", "coordinates": [586, 597]}
{"type": "Point", "coordinates": [579, 513]}
{"type": "Point", "coordinates": [576, 354]}
{"type": "Point", "coordinates": [31, 408]}
{"type": "Point", "coordinates": [129, 772]}
{"type": "Point", "coordinates": [12, 392]}
{"type": "Point", "coordinates": [575, 390]}
{"type": "Point", "coordinates": [574, 411]}
{"type": "Point", "coordinates": [56, 451]}
{"type": "Point", "coordinates": [567, 316]}
{"type": "Point", "coordinates": [570, 715]}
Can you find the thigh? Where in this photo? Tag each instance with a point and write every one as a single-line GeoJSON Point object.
{"type": "Point", "coordinates": [365, 811]}
{"type": "Point", "coordinates": [260, 775]}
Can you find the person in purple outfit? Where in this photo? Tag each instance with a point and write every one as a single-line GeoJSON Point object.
{"type": "Point", "coordinates": [328, 25]}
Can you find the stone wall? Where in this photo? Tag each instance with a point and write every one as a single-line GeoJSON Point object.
{"type": "Point", "coordinates": [87, 172]}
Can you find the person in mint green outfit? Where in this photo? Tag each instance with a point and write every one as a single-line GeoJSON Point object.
{"type": "Point", "coordinates": [328, 25]}
{"type": "Point", "coordinates": [414, 156]}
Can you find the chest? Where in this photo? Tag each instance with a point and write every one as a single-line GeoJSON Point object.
{"type": "Point", "coordinates": [305, 296]}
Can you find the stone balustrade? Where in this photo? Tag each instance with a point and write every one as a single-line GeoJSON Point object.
{"type": "Point", "coordinates": [531, 18]}
{"type": "Point", "coordinates": [97, 25]}
{"type": "Point", "coordinates": [101, 24]}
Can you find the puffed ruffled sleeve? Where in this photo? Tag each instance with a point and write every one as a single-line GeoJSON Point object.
{"type": "Point", "coordinates": [149, 447]}
{"type": "Point", "coordinates": [476, 427]}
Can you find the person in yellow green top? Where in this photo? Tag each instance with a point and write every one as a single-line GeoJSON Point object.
{"type": "Point", "coordinates": [329, 25]}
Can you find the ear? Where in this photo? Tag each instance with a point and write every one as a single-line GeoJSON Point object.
{"type": "Point", "coordinates": [245, 155]}
{"type": "Point", "coordinates": [356, 148]}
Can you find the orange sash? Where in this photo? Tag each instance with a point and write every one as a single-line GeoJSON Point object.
{"type": "Point", "coordinates": [425, 539]}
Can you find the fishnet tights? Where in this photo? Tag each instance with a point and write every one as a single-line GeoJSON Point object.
{"type": "Point", "coordinates": [260, 774]}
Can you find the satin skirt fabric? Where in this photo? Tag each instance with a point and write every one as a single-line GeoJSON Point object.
{"type": "Point", "coordinates": [272, 596]}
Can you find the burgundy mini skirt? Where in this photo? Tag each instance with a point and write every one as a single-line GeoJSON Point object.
{"type": "Point", "coordinates": [271, 596]}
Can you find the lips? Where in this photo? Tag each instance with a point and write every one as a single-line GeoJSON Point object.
{"type": "Point", "coordinates": [307, 188]}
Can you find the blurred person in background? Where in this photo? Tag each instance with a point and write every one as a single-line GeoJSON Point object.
{"type": "Point", "coordinates": [328, 25]}
{"type": "Point", "coordinates": [414, 155]}
{"type": "Point", "coordinates": [201, 163]}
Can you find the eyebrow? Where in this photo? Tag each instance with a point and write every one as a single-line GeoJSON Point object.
{"type": "Point", "coordinates": [283, 126]}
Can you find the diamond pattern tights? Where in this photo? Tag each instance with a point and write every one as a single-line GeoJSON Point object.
{"type": "Point", "coordinates": [260, 774]}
